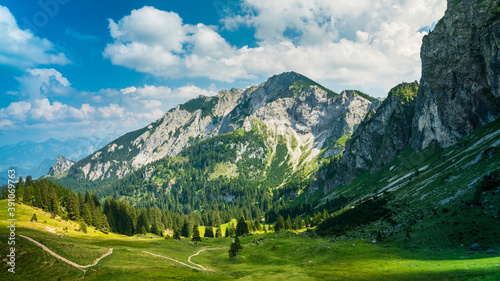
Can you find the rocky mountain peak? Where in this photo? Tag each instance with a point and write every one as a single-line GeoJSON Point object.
{"type": "Point", "coordinates": [290, 107]}
{"type": "Point", "coordinates": [61, 166]}
{"type": "Point", "coordinates": [460, 74]}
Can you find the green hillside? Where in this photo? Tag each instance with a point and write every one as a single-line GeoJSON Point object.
{"type": "Point", "coordinates": [275, 256]}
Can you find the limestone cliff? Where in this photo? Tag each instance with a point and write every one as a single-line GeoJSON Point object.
{"type": "Point", "coordinates": [459, 90]}
{"type": "Point", "coordinates": [384, 132]}
{"type": "Point", "coordinates": [61, 166]}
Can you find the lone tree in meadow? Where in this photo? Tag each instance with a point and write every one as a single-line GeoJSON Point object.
{"type": "Point", "coordinates": [280, 224]}
{"type": "Point", "coordinates": [196, 234]}
{"type": "Point", "coordinates": [33, 218]}
{"type": "Point", "coordinates": [242, 227]}
{"type": "Point", "coordinates": [235, 248]}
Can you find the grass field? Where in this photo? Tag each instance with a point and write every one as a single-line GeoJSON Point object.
{"type": "Point", "coordinates": [270, 256]}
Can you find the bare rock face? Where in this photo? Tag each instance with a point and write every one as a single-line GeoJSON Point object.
{"type": "Point", "coordinates": [459, 90]}
{"type": "Point", "coordinates": [458, 93]}
{"type": "Point", "coordinates": [61, 166]}
{"type": "Point", "coordinates": [305, 114]}
{"type": "Point", "coordinates": [384, 133]}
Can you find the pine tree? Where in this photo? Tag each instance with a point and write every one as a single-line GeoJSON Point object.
{"type": "Point", "coordinates": [105, 224]}
{"type": "Point", "coordinates": [280, 224]}
{"type": "Point", "coordinates": [33, 218]}
{"type": "Point", "coordinates": [186, 229]}
{"type": "Point", "coordinates": [83, 227]}
{"type": "Point", "coordinates": [227, 232]}
{"type": "Point", "coordinates": [177, 234]}
{"type": "Point", "coordinates": [242, 227]}
{"type": "Point", "coordinates": [196, 234]}
{"type": "Point", "coordinates": [218, 233]}
{"type": "Point", "coordinates": [143, 230]}
{"type": "Point", "coordinates": [142, 220]}
{"type": "Point", "coordinates": [235, 248]}
{"type": "Point", "coordinates": [288, 223]}
{"type": "Point", "coordinates": [155, 229]}
{"type": "Point", "coordinates": [209, 232]}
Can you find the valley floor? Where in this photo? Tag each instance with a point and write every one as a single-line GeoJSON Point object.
{"type": "Point", "coordinates": [271, 256]}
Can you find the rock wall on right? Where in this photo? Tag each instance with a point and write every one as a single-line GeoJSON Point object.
{"type": "Point", "coordinates": [459, 89]}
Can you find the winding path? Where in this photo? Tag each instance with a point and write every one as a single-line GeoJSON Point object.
{"type": "Point", "coordinates": [82, 267]}
{"type": "Point", "coordinates": [198, 267]}
{"type": "Point", "coordinates": [197, 253]}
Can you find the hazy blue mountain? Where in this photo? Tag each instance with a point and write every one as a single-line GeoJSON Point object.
{"type": "Point", "coordinates": [35, 159]}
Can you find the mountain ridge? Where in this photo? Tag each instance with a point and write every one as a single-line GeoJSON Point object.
{"type": "Point", "coordinates": [289, 104]}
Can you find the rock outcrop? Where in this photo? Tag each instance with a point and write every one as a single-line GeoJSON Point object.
{"type": "Point", "coordinates": [61, 166]}
{"type": "Point", "coordinates": [459, 90]}
{"type": "Point", "coordinates": [458, 93]}
{"type": "Point", "coordinates": [384, 132]}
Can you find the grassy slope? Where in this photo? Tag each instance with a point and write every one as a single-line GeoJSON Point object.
{"type": "Point", "coordinates": [434, 204]}
{"type": "Point", "coordinates": [268, 256]}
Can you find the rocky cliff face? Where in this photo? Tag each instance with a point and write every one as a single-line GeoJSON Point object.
{"type": "Point", "coordinates": [309, 117]}
{"type": "Point", "coordinates": [458, 93]}
{"type": "Point", "coordinates": [61, 166]}
{"type": "Point", "coordinates": [460, 74]}
{"type": "Point", "coordinates": [385, 132]}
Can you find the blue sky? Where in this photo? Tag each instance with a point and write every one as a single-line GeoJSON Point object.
{"type": "Point", "coordinates": [97, 68]}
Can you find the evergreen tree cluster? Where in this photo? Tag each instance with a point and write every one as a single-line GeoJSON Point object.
{"type": "Point", "coordinates": [60, 201]}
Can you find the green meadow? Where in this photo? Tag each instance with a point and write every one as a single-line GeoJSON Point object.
{"type": "Point", "coordinates": [269, 256]}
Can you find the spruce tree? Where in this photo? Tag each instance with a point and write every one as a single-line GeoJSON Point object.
{"type": "Point", "coordinates": [209, 232]}
{"type": "Point", "coordinates": [235, 248]}
{"type": "Point", "coordinates": [177, 234]}
{"type": "Point", "coordinates": [288, 223]}
{"type": "Point", "coordinates": [227, 232]}
{"type": "Point", "coordinates": [218, 232]}
{"type": "Point", "coordinates": [155, 229]}
{"type": "Point", "coordinates": [280, 224]}
{"type": "Point", "coordinates": [33, 218]}
{"type": "Point", "coordinates": [242, 227]}
{"type": "Point", "coordinates": [186, 229]}
{"type": "Point", "coordinates": [196, 234]}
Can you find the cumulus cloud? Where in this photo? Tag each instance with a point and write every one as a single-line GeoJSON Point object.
{"type": "Point", "coordinates": [368, 44]}
{"type": "Point", "coordinates": [21, 49]}
{"type": "Point", "coordinates": [44, 109]}
{"type": "Point", "coordinates": [43, 82]}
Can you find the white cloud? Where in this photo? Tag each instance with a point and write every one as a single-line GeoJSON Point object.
{"type": "Point", "coordinates": [351, 44]}
{"type": "Point", "coordinates": [42, 82]}
{"type": "Point", "coordinates": [109, 112]}
{"type": "Point", "coordinates": [21, 49]}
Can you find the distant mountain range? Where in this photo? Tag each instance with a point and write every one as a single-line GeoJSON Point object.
{"type": "Point", "coordinates": [36, 159]}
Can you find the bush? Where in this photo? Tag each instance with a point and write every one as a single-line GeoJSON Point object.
{"type": "Point", "coordinates": [490, 181]}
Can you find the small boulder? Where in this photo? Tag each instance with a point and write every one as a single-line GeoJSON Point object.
{"type": "Point", "coordinates": [475, 247]}
{"type": "Point", "coordinates": [491, 252]}
{"type": "Point", "coordinates": [374, 241]}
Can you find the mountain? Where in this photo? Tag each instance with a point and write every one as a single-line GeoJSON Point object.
{"type": "Point", "coordinates": [35, 159]}
{"type": "Point", "coordinates": [426, 161]}
{"type": "Point", "coordinates": [62, 165]}
{"type": "Point", "coordinates": [460, 74]}
{"type": "Point", "coordinates": [457, 95]}
{"type": "Point", "coordinates": [309, 119]}
{"type": "Point", "coordinates": [379, 138]}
